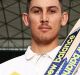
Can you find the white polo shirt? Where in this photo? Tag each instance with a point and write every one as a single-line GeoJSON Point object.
{"type": "Point", "coordinates": [29, 64]}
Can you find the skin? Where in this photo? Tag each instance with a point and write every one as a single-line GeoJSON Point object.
{"type": "Point", "coordinates": [45, 19]}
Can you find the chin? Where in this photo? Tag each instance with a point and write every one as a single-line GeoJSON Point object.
{"type": "Point", "coordinates": [44, 41]}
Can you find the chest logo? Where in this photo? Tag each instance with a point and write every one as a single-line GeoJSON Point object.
{"type": "Point", "coordinates": [14, 73]}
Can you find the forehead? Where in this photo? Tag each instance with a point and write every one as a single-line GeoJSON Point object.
{"type": "Point", "coordinates": [44, 3]}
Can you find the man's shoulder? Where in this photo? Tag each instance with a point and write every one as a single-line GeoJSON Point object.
{"type": "Point", "coordinates": [16, 65]}
{"type": "Point", "coordinates": [13, 61]}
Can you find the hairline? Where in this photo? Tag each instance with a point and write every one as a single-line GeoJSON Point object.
{"type": "Point", "coordinates": [29, 1]}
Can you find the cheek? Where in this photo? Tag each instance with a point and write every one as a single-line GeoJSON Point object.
{"type": "Point", "coordinates": [56, 17]}
{"type": "Point", "coordinates": [34, 22]}
{"type": "Point", "coordinates": [56, 25]}
{"type": "Point", "coordinates": [34, 27]}
{"type": "Point", "coordinates": [34, 19]}
{"type": "Point", "coordinates": [56, 22]}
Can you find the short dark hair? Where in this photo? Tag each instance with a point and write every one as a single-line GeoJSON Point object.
{"type": "Point", "coordinates": [29, 1]}
{"type": "Point", "coordinates": [28, 4]}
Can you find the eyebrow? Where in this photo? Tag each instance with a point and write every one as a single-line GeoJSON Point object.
{"type": "Point", "coordinates": [34, 7]}
{"type": "Point", "coordinates": [38, 7]}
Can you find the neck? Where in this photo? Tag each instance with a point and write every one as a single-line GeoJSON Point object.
{"type": "Point", "coordinates": [43, 48]}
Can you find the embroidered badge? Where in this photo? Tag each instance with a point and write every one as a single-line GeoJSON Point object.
{"type": "Point", "coordinates": [14, 73]}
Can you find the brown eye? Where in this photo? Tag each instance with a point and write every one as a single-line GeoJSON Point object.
{"type": "Point", "coordinates": [36, 11]}
{"type": "Point", "coordinates": [52, 11]}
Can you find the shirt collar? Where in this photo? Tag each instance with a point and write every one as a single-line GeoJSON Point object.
{"type": "Point", "coordinates": [52, 54]}
{"type": "Point", "coordinates": [29, 54]}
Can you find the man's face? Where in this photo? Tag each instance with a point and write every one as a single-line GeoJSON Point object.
{"type": "Point", "coordinates": [45, 19]}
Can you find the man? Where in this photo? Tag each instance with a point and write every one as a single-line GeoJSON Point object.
{"type": "Point", "coordinates": [45, 18]}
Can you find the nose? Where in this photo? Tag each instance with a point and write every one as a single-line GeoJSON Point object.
{"type": "Point", "coordinates": [44, 17]}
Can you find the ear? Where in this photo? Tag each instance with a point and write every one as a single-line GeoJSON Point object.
{"type": "Point", "coordinates": [64, 18]}
{"type": "Point", "coordinates": [25, 19]}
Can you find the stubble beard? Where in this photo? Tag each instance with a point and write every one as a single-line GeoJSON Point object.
{"type": "Point", "coordinates": [43, 39]}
